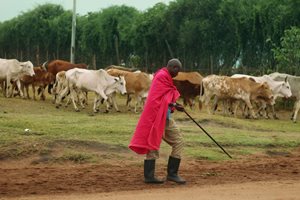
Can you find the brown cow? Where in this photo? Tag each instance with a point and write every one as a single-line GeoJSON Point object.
{"type": "Point", "coordinates": [56, 66]}
{"type": "Point", "coordinates": [137, 84]}
{"type": "Point", "coordinates": [224, 87]}
{"type": "Point", "coordinates": [42, 78]}
{"type": "Point", "coordinates": [188, 85]}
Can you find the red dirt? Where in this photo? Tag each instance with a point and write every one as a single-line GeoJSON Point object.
{"type": "Point", "coordinates": [17, 179]}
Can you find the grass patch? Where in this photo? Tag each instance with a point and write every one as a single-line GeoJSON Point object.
{"type": "Point", "coordinates": [76, 157]}
{"type": "Point", "coordinates": [63, 135]}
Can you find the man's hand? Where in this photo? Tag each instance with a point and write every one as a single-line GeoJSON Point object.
{"type": "Point", "coordinates": [177, 106]}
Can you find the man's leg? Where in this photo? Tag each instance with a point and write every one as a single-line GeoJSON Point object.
{"type": "Point", "coordinates": [174, 138]}
{"type": "Point", "coordinates": [149, 168]}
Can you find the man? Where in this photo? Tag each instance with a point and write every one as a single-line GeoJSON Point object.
{"type": "Point", "coordinates": [155, 124]}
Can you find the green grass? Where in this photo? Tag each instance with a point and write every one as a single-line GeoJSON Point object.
{"type": "Point", "coordinates": [65, 135]}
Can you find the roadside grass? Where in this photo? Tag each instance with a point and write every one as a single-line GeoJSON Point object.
{"type": "Point", "coordinates": [60, 135]}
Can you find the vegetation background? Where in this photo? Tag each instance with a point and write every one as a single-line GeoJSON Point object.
{"type": "Point", "coordinates": [209, 36]}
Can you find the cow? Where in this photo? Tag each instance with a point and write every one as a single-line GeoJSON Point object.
{"type": "Point", "coordinates": [60, 84]}
{"type": "Point", "coordinates": [224, 87]}
{"type": "Point", "coordinates": [278, 88]}
{"type": "Point", "coordinates": [188, 85]}
{"type": "Point", "coordinates": [98, 81]}
{"type": "Point", "coordinates": [56, 66]}
{"type": "Point", "coordinates": [42, 78]}
{"type": "Point", "coordinates": [137, 85]}
{"type": "Point", "coordinates": [12, 70]}
{"type": "Point", "coordinates": [294, 82]}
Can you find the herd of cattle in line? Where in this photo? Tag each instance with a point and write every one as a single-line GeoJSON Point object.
{"type": "Point", "coordinates": [73, 81]}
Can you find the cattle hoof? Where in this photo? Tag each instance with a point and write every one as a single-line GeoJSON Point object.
{"type": "Point", "coordinates": [57, 106]}
{"type": "Point", "coordinates": [106, 111]}
{"type": "Point", "coordinates": [77, 110]}
{"type": "Point", "coordinates": [118, 111]}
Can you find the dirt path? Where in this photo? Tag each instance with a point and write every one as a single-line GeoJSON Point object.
{"type": "Point", "coordinates": [262, 177]}
{"type": "Point", "coordinates": [273, 190]}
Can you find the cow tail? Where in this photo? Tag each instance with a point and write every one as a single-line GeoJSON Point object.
{"type": "Point", "coordinates": [201, 94]}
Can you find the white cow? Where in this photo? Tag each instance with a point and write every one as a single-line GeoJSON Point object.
{"type": "Point", "coordinates": [294, 82]}
{"type": "Point", "coordinates": [98, 81]}
{"type": "Point", "coordinates": [13, 70]}
{"type": "Point", "coordinates": [278, 88]}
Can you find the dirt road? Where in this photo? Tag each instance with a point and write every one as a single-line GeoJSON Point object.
{"type": "Point", "coordinates": [257, 177]}
{"type": "Point", "coordinates": [273, 190]}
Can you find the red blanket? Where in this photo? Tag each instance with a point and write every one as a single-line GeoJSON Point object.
{"type": "Point", "coordinates": [151, 125]}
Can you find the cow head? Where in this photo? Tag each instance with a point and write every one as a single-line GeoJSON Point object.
{"type": "Point", "coordinates": [285, 90]}
{"type": "Point", "coordinates": [27, 68]}
{"type": "Point", "coordinates": [121, 84]}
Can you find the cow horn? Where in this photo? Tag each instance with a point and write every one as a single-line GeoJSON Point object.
{"type": "Point", "coordinates": [285, 80]}
{"type": "Point", "coordinates": [44, 66]}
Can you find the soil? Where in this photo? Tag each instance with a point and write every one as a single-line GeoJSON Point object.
{"type": "Point", "coordinates": [272, 176]}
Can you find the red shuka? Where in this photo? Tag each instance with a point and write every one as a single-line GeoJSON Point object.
{"type": "Point", "coordinates": [151, 125]}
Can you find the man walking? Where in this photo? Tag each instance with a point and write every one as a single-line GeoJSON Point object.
{"type": "Point", "coordinates": [156, 124]}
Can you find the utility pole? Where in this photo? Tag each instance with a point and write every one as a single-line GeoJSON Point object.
{"type": "Point", "coordinates": [72, 60]}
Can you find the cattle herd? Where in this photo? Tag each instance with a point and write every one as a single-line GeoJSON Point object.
{"type": "Point", "coordinates": [253, 96]}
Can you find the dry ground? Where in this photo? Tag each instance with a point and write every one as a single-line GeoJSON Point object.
{"type": "Point", "coordinates": [274, 176]}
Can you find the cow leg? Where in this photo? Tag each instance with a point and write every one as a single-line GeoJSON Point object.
{"type": "Point", "coordinates": [129, 99]}
{"type": "Point", "coordinates": [96, 103]}
{"type": "Point", "coordinates": [138, 101]}
{"type": "Point", "coordinates": [237, 104]}
{"type": "Point", "coordinates": [25, 90]}
{"type": "Point", "coordinates": [109, 103]}
{"type": "Point", "coordinates": [296, 109]}
{"type": "Point", "coordinates": [8, 85]}
{"type": "Point", "coordinates": [61, 94]}
{"type": "Point", "coordinates": [42, 92]}
{"type": "Point", "coordinates": [249, 105]}
{"type": "Point", "coordinates": [56, 89]}
{"type": "Point", "coordinates": [81, 98]}
{"type": "Point", "coordinates": [100, 94]}
{"type": "Point", "coordinates": [263, 109]}
{"type": "Point", "coordinates": [33, 91]}
{"type": "Point", "coordinates": [215, 104]}
{"type": "Point", "coordinates": [273, 112]}
{"type": "Point", "coordinates": [225, 107]}
{"type": "Point", "coordinates": [114, 102]}
{"type": "Point", "coordinates": [205, 99]}
{"type": "Point", "coordinates": [19, 88]}
{"type": "Point", "coordinates": [3, 88]}
{"type": "Point", "coordinates": [189, 102]}
{"type": "Point", "coordinates": [73, 95]}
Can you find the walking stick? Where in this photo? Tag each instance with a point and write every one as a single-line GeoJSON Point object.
{"type": "Point", "coordinates": [206, 133]}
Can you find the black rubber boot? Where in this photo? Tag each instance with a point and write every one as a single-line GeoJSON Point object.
{"type": "Point", "coordinates": [173, 166]}
{"type": "Point", "coordinates": [149, 169]}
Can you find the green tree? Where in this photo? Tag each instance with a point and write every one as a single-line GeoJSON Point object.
{"type": "Point", "coordinates": [288, 54]}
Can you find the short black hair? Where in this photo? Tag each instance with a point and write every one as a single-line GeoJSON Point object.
{"type": "Point", "coordinates": [174, 62]}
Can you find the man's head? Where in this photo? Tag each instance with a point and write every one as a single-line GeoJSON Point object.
{"type": "Point", "coordinates": [174, 66]}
